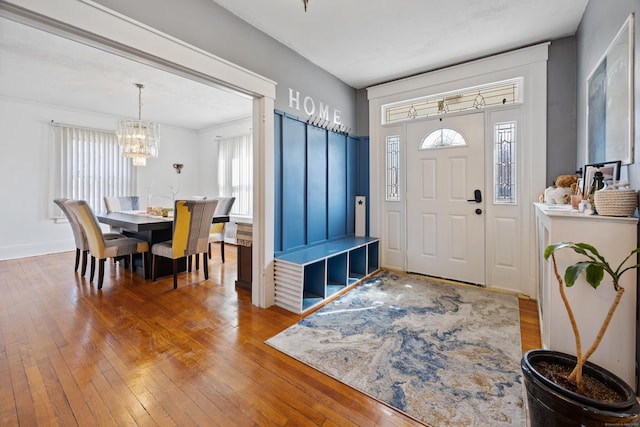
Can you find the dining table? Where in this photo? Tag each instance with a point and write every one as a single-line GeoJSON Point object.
{"type": "Point", "coordinates": [152, 229]}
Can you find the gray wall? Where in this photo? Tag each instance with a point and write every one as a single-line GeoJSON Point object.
{"type": "Point", "coordinates": [561, 108]}
{"type": "Point", "coordinates": [362, 113]}
{"type": "Point", "coordinates": [208, 26]}
{"type": "Point", "coordinates": [600, 23]}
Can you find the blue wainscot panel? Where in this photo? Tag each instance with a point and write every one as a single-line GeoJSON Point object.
{"type": "Point", "coordinates": [277, 190]}
{"type": "Point", "coordinates": [293, 183]}
{"type": "Point", "coordinates": [352, 181]}
{"type": "Point", "coordinates": [316, 185]}
{"type": "Point", "coordinates": [337, 194]}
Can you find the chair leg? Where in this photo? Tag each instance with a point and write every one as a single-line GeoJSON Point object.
{"type": "Point", "coordinates": [189, 263]}
{"type": "Point", "coordinates": [197, 261]}
{"type": "Point", "coordinates": [131, 264]}
{"type": "Point", "coordinates": [83, 271]}
{"type": "Point", "coordinates": [209, 250]}
{"type": "Point", "coordinates": [175, 273]}
{"type": "Point", "coordinates": [100, 272]}
{"type": "Point", "coordinates": [154, 267]}
{"type": "Point", "coordinates": [205, 266]}
{"type": "Point", "coordinates": [93, 268]}
{"type": "Point", "coordinates": [144, 270]}
{"type": "Point", "coordinates": [222, 250]}
{"type": "Point", "coordinates": [77, 259]}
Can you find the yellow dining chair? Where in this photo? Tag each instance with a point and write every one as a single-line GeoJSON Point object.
{"type": "Point", "coordinates": [82, 245]}
{"type": "Point", "coordinates": [216, 232]}
{"type": "Point", "coordinates": [99, 247]}
{"type": "Point", "coordinates": [191, 223]}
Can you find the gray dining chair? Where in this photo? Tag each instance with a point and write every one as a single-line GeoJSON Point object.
{"type": "Point", "coordinates": [82, 245]}
{"type": "Point", "coordinates": [191, 223]}
{"type": "Point", "coordinates": [122, 203]}
{"type": "Point", "coordinates": [99, 247]}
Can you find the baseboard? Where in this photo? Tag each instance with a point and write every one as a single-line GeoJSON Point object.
{"type": "Point", "coordinates": [36, 249]}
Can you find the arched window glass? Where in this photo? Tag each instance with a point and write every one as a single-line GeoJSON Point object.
{"type": "Point", "coordinates": [442, 137]}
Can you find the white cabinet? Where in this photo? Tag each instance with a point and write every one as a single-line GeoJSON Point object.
{"type": "Point", "coordinates": [614, 238]}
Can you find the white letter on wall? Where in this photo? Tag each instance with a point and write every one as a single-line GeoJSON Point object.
{"type": "Point", "coordinates": [307, 101]}
{"type": "Point", "coordinates": [336, 117]}
{"type": "Point", "coordinates": [323, 112]}
{"type": "Point", "coordinates": [294, 99]}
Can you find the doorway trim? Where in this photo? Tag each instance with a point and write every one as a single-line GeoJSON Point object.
{"type": "Point", "coordinates": [90, 23]}
{"type": "Point", "coordinates": [388, 218]}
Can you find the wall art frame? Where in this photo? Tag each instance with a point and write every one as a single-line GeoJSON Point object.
{"type": "Point", "coordinates": [610, 170]}
{"type": "Point", "coordinates": [610, 88]}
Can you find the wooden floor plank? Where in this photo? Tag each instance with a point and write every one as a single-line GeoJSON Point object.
{"type": "Point", "coordinates": [141, 353]}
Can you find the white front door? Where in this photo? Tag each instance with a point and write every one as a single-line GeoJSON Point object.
{"type": "Point", "coordinates": [445, 223]}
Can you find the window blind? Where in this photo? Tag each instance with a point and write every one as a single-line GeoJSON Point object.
{"type": "Point", "coordinates": [235, 172]}
{"type": "Point", "coordinates": [87, 165]}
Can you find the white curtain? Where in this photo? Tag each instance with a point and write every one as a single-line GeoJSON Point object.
{"type": "Point", "coordinates": [235, 172]}
{"type": "Point", "coordinates": [87, 164]}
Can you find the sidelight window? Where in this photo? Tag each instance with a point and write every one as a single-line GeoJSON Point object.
{"type": "Point", "coordinates": [393, 168]}
{"type": "Point", "coordinates": [505, 163]}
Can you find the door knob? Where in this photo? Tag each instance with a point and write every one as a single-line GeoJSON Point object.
{"type": "Point", "coordinates": [477, 197]}
{"type": "Point", "coordinates": [478, 211]}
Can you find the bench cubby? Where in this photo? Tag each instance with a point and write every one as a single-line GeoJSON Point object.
{"type": "Point", "coordinates": [309, 276]}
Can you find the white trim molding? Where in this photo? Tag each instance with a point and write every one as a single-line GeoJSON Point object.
{"type": "Point", "coordinates": [96, 25]}
{"type": "Point", "coordinates": [388, 218]}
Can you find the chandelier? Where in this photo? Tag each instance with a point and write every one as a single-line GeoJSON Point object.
{"type": "Point", "coordinates": [138, 138]}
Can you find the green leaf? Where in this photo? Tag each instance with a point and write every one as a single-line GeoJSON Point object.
{"type": "Point", "coordinates": [594, 275]}
{"type": "Point", "coordinates": [554, 248]}
{"type": "Point", "coordinates": [572, 272]}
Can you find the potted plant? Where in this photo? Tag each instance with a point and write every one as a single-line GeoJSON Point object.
{"type": "Point", "coordinates": [567, 390]}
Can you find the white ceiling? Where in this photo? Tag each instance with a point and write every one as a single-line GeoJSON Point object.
{"type": "Point", "coordinates": [361, 45]}
{"type": "Point", "coordinates": [42, 67]}
{"type": "Point", "coordinates": [366, 42]}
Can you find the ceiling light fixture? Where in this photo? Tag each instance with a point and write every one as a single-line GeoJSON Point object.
{"type": "Point", "coordinates": [305, 4]}
{"type": "Point", "coordinates": [138, 138]}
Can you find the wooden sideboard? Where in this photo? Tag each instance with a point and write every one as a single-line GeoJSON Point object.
{"type": "Point", "coordinates": [614, 237]}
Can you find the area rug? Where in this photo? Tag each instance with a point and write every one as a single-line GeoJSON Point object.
{"type": "Point", "coordinates": [443, 354]}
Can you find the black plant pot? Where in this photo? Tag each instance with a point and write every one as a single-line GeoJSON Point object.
{"type": "Point", "coordinates": [552, 405]}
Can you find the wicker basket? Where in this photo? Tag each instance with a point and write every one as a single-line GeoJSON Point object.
{"type": "Point", "coordinates": [616, 202]}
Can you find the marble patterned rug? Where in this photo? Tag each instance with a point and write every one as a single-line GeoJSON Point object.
{"type": "Point", "coordinates": [444, 354]}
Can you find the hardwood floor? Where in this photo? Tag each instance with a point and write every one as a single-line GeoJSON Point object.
{"type": "Point", "coordinates": [141, 353]}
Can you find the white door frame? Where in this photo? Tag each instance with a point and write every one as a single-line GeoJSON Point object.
{"type": "Point", "coordinates": [387, 217]}
{"type": "Point", "coordinates": [94, 24]}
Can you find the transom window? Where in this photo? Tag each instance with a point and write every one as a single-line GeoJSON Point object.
{"type": "Point", "coordinates": [442, 137]}
{"type": "Point", "coordinates": [472, 98]}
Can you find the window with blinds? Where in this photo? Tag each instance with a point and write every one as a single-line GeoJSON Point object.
{"type": "Point", "coordinates": [87, 165]}
{"type": "Point", "coordinates": [235, 172]}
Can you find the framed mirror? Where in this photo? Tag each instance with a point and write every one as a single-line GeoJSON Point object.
{"type": "Point", "coordinates": [610, 101]}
